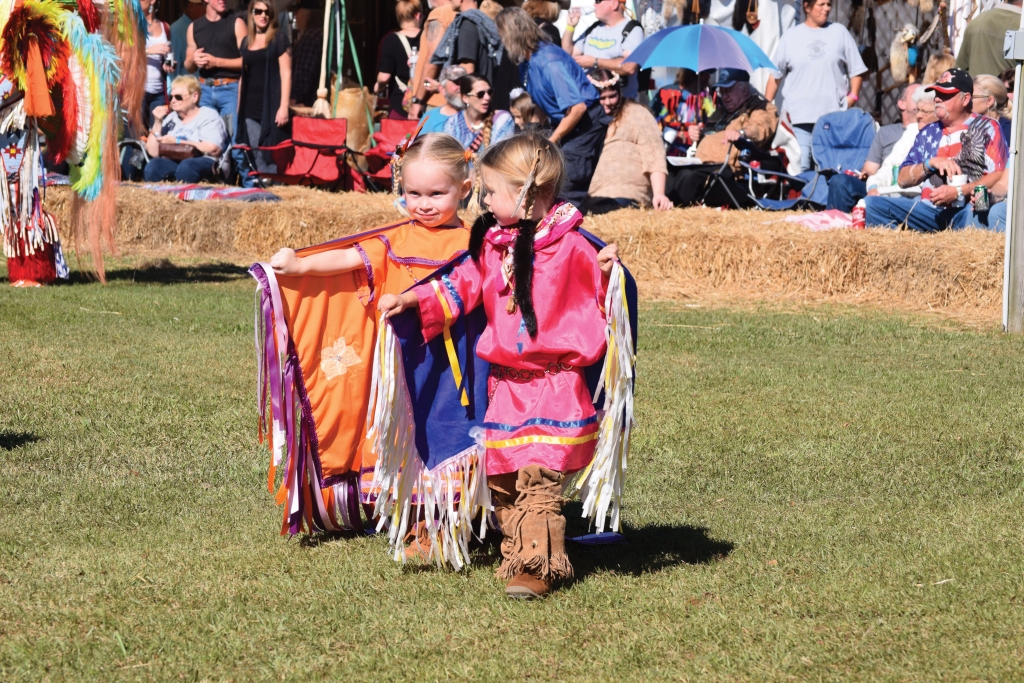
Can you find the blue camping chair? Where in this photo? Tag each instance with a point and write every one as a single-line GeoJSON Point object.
{"type": "Point", "coordinates": [840, 142]}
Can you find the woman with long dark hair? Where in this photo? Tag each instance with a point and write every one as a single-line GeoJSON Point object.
{"type": "Point", "coordinates": [632, 170]}
{"type": "Point", "coordinates": [265, 88]}
{"type": "Point", "coordinates": [477, 126]}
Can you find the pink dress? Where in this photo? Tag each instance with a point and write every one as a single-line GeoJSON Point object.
{"type": "Point", "coordinates": [548, 417]}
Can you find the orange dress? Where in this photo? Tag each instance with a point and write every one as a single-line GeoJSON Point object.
{"type": "Point", "coordinates": [315, 374]}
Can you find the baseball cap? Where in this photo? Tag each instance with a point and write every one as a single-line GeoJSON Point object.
{"type": "Point", "coordinates": [952, 81]}
{"type": "Point", "coordinates": [730, 77]}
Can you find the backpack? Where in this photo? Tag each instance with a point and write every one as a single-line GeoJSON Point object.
{"type": "Point", "coordinates": [643, 77]}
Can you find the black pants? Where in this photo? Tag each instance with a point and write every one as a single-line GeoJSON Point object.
{"type": "Point", "coordinates": [582, 149]}
{"type": "Point", "coordinates": [690, 185]}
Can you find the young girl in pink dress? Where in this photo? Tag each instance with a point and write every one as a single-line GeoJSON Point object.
{"type": "Point", "coordinates": [543, 288]}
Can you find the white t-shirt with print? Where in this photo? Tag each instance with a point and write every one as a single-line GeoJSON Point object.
{"type": "Point", "coordinates": [605, 42]}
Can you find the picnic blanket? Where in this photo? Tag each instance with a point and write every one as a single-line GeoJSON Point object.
{"type": "Point", "coordinates": [195, 192]}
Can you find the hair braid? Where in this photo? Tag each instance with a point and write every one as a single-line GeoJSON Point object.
{"type": "Point", "coordinates": [522, 268]}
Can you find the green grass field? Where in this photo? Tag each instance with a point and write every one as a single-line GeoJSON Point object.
{"type": "Point", "coordinates": [815, 495]}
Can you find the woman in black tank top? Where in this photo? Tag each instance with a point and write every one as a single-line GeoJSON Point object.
{"type": "Point", "coordinates": [266, 85]}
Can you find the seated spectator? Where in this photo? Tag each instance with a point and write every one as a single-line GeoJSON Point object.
{"type": "Point", "coordinates": [186, 124]}
{"type": "Point", "coordinates": [952, 156]}
{"type": "Point", "coordinates": [883, 181]}
{"type": "Point", "coordinates": [1008, 78]}
{"type": "Point", "coordinates": [995, 218]}
{"type": "Point", "coordinates": [745, 117]}
{"type": "Point", "coordinates": [844, 191]}
{"type": "Point", "coordinates": [526, 114]}
{"type": "Point", "coordinates": [631, 171]}
{"type": "Point", "coordinates": [990, 100]}
{"type": "Point", "coordinates": [477, 127]}
{"type": "Point", "coordinates": [435, 119]}
{"type": "Point", "coordinates": [678, 107]}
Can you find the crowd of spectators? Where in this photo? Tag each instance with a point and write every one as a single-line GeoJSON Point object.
{"type": "Point", "coordinates": [480, 72]}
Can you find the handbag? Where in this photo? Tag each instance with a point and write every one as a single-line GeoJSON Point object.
{"type": "Point", "coordinates": [176, 152]}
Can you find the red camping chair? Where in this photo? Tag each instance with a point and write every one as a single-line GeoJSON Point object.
{"type": "Point", "coordinates": [392, 132]}
{"type": "Point", "coordinates": [317, 154]}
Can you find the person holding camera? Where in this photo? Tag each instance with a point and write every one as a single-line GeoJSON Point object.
{"type": "Point", "coordinates": [158, 54]}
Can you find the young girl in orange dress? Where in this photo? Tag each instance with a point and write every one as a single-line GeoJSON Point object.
{"type": "Point", "coordinates": [316, 325]}
{"type": "Point", "coordinates": [544, 289]}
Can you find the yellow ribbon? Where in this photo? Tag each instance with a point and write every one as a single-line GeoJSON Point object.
{"type": "Point", "coordinates": [449, 345]}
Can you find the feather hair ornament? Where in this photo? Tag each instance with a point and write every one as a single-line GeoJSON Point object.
{"type": "Point", "coordinates": [530, 179]}
{"type": "Point", "coordinates": [398, 158]}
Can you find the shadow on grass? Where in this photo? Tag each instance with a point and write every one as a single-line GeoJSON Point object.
{"type": "Point", "coordinates": [11, 440]}
{"type": "Point", "coordinates": [163, 271]}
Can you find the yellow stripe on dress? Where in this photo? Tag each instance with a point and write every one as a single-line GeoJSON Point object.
{"type": "Point", "coordinates": [542, 438]}
{"type": "Point", "coordinates": [449, 345]}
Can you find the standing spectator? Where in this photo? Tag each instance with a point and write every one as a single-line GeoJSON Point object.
{"type": "Point", "coordinates": [472, 42]}
{"type": "Point", "coordinates": [821, 72]}
{"type": "Point", "coordinates": [607, 43]}
{"type": "Point", "coordinates": [213, 41]}
{"type": "Point", "coordinates": [981, 51]}
{"type": "Point", "coordinates": [265, 88]}
{"type": "Point", "coordinates": [478, 125]}
{"type": "Point", "coordinates": [186, 124]}
{"type": "Point", "coordinates": [158, 44]}
{"type": "Point", "coordinates": [545, 14]}
{"type": "Point", "coordinates": [559, 87]}
{"type": "Point", "coordinates": [424, 91]}
{"type": "Point", "coordinates": [745, 118]}
{"type": "Point", "coordinates": [844, 191]}
{"type": "Point", "coordinates": [960, 143]}
{"type": "Point", "coordinates": [309, 20]}
{"type": "Point", "coordinates": [435, 119]}
{"type": "Point", "coordinates": [190, 11]}
{"type": "Point", "coordinates": [396, 50]}
{"type": "Point", "coordinates": [990, 100]}
{"type": "Point", "coordinates": [632, 170]}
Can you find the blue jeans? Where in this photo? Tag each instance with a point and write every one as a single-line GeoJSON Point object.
{"type": "Point", "coordinates": [803, 131]}
{"type": "Point", "coordinates": [188, 171]}
{"type": "Point", "coordinates": [994, 219]}
{"type": "Point", "coordinates": [223, 98]}
{"type": "Point", "coordinates": [844, 191]}
{"type": "Point", "coordinates": [892, 212]}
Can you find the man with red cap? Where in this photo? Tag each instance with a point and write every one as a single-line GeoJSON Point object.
{"type": "Point", "coordinates": [951, 157]}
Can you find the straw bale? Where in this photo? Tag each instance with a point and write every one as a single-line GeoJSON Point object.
{"type": "Point", "coordinates": [691, 255]}
{"type": "Point", "coordinates": [704, 254]}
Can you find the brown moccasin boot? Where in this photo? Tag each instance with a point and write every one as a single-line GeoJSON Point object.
{"type": "Point", "coordinates": [418, 543]}
{"type": "Point", "coordinates": [527, 587]}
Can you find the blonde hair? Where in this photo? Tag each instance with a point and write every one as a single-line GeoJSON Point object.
{"type": "Point", "coordinates": [513, 159]}
{"type": "Point", "coordinates": [191, 84]}
{"type": "Point", "coordinates": [519, 33]}
{"type": "Point", "coordinates": [937, 65]}
{"type": "Point", "coordinates": [490, 8]}
{"type": "Point", "coordinates": [542, 9]}
{"type": "Point", "coordinates": [440, 148]}
{"type": "Point", "coordinates": [993, 87]}
{"type": "Point", "coordinates": [406, 10]}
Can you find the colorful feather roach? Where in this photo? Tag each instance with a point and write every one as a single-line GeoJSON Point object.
{"type": "Point", "coordinates": [41, 22]}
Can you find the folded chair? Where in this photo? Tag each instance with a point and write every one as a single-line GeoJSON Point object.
{"type": "Point", "coordinates": [392, 132]}
{"type": "Point", "coordinates": [316, 155]}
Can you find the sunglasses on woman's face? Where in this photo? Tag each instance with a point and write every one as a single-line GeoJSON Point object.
{"type": "Point", "coordinates": [257, 12]}
{"type": "Point", "coordinates": [178, 98]}
{"type": "Point", "coordinates": [482, 93]}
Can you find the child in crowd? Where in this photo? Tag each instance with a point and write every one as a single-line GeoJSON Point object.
{"type": "Point", "coordinates": [543, 287]}
{"type": "Point", "coordinates": [525, 113]}
{"type": "Point", "coordinates": [318, 310]}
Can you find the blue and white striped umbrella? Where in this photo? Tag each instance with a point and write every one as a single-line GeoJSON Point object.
{"type": "Point", "coordinates": [700, 47]}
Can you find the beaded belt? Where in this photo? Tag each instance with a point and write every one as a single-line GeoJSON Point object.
{"type": "Point", "coordinates": [503, 372]}
{"type": "Point", "coordinates": [215, 82]}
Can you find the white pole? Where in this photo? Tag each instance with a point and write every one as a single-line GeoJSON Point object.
{"type": "Point", "coordinates": [1013, 255]}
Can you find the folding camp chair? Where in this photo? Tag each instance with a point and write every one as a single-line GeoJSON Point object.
{"type": "Point", "coordinates": [392, 132]}
{"type": "Point", "coordinates": [316, 155]}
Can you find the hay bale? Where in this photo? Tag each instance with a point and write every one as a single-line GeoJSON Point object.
{"type": "Point", "coordinates": [149, 222]}
{"type": "Point", "coordinates": [702, 254]}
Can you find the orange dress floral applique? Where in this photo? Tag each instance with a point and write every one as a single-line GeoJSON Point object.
{"type": "Point", "coordinates": [336, 359]}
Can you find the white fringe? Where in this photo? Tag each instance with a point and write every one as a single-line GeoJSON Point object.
{"type": "Point", "coordinates": [600, 483]}
{"type": "Point", "coordinates": [399, 472]}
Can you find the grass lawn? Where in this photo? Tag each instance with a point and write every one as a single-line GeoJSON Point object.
{"type": "Point", "coordinates": [812, 495]}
